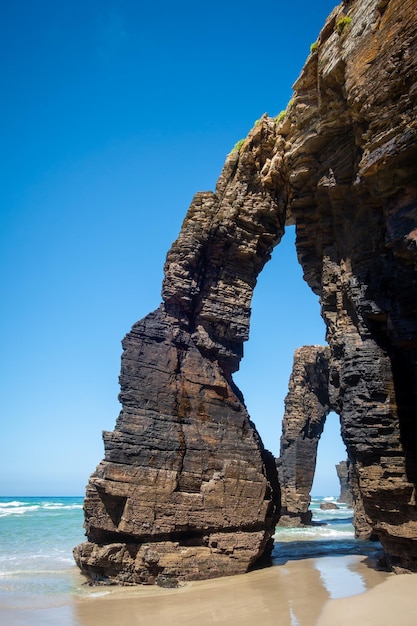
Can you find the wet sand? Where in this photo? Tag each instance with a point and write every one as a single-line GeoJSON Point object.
{"type": "Point", "coordinates": [296, 593]}
{"type": "Point", "coordinates": [392, 603]}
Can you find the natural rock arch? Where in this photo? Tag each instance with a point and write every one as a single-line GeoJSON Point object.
{"type": "Point", "coordinates": [307, 406]}
{"type": "Point", "coordinates": [186, 488]}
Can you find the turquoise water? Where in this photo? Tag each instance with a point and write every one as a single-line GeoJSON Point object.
{"type": "Point", "coordinates": [38, 535]}
{"type": "Point", "coordinates": [331, 535]}
{"type": "Point", "coordinates": [37, 538]}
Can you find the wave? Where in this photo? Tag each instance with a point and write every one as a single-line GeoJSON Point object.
{"type": "Point", "coordinates": [61, 505]}
{"type": "Point", "coordinates": [20, 507]}
{"type": "Point", "coordinates": [4, 512]}
{"type": "Point", "coordinates": [13, 503]}
{"type": "Point", "coordinates": [312, 533]}
{"type": "Point", "coordinates": [30, 572]}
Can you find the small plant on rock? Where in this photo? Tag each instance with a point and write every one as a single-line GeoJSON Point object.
{"type": "Point", "coordinates": [238, 145]}
{"type": "Point", "coordinates": [313, 47]}
{"type": "Point", "coordinates": [280, 116]}
{"type": "Point", "coordinates": [342, 23]}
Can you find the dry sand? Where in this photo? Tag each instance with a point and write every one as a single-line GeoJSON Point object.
{"type": "Point", "coordinates": [297, 593]}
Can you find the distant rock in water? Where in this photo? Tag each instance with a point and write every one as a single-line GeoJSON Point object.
{"type": "Point", "coordinates": [186, 489]}
{"type": "Point", "coordinates": [342, 470]}
{"type": "Point", "coordinates": [328, 506]}
{"type": "Point", "coordinates": [307, 405]}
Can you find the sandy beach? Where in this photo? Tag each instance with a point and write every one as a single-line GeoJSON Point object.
{"type": "Point", "coordinates": [322, 591]}
{"type": "Point", "coordinates": [391, 603]}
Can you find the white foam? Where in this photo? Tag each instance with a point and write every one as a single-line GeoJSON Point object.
{"type": "Point", "coordinates": [17, 510]}
{"type": "Point", "coordinates": [98, 594]}
{"type": "Point", "coordinates": [312, 533]}
{"type": "Point", "coordinates": [61, 507]}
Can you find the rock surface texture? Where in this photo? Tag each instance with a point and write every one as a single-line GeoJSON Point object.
{"type": "Point", "coordinates": [352, 164]}
{"type": "Point", "coordinates": [186, 489]}
{"type": "Point", "coordinates": [342, 470]}
{"type": "Point", "coordinates": [306, 408]}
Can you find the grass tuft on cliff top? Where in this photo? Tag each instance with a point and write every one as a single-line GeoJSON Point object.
{"type": "Point", "coordinates": [238, 145]}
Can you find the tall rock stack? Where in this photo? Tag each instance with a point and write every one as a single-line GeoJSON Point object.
{"type": "Point", "coordinates": [342, 470]}
{"type": "Point", "coordinates": [306, 408]}
{"type": "Point", "coordinates": [186, 489]}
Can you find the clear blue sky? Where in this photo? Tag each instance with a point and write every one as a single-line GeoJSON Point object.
{"type": "Point", "coordinates": [113, 114]}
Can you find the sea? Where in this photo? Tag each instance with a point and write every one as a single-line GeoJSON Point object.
{"type": "Point", "coordinates": [37, 535]}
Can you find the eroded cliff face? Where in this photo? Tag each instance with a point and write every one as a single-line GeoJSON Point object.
{"type": "Point", "coordinates": [186, 489]}
{"type": "Point", "coordinates": [352, 168]}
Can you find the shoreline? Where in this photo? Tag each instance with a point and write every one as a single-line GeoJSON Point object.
{"type": "Point", "coordinates": [305, 592]}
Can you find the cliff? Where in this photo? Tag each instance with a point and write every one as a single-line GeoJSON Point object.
{"type": "Point", "coordinates": [352, 169]}
{"type": "Point", "coordinates": [186, 489]}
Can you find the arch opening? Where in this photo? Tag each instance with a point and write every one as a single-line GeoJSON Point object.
{"type": "Point", "coordinates": [331, 450]}
{"type": "Point", "coordinates": [285, 314]}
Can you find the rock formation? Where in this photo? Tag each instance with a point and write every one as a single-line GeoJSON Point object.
{"type": "Point", "coordinates": [342, 470]}
{"type": "Point", "coordinates": [352, 169]}
{"type": "Point", "coordinates": [186, 488]}
{"type": "Point", "coordinates": [306, 408]}
{"type": "Point", "coordinates": [328, 506]}
{"type": "Point", "coordinates": [361, 521]}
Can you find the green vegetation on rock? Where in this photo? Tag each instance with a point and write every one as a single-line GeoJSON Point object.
{"type": "Point", "coordinates": [238, 145]}
{"type": "Point", "coordinates": [342, 23]}
{"type": "Point", "coordinates": [280, 116]}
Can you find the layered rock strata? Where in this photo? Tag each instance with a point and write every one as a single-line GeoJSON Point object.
{"type": "Point", "coordinates": [306, 408]}
{"type": "Point", "coordinates": [186, 489]}
{"type": "Point", "coordinates": [342, 470]}
{"type": "Point", "coordinates": [352, 167]}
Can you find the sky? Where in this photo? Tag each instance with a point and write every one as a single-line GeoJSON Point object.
{"type": "Point", "coordinates": [114, 114]}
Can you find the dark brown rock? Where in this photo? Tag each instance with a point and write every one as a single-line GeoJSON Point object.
{"type": "Point", "coordinates": [328, 506]}
{"type": "Point", "coordinates": [352, 167]}
{"type": "Point", "coordinates": [361, 522]}
{"type": "Point", "coordinates": [186, 489]}
{"type": "Point", "coordinates": [342, 470]}
{"type": "Point", "coordinates": [306, 408]}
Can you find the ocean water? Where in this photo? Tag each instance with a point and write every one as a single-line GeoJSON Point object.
{"type": "Point", "coordinates": [37, 538]}
{"type": "Point", "coordinates": [38, 535]}
{"type": "Point", "coordinates": [332, 534]}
